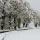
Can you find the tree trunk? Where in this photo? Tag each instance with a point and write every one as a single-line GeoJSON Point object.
{"type": "Point", "coordinates": [19, 22]}
{"type": "Point", "coordinates": [36, 25]}
{"type": "Point", "coordinates": [9, 21]}
{"type": "Point", "coordinates": [26, 25]}
{"type": "Point", "coordinates": [23, 24]}
{"type": "Point", "coordinates": [3, 22]}
{"type": "Point", "coordinates": [15, 23]}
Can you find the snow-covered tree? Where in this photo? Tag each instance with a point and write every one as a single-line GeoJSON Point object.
{"type": "Point", "coordinates": [2, 13]}
{"type": "Point", "coordinates": [14, 13]}
{"type": "Point", "coordinates": [18, 9]}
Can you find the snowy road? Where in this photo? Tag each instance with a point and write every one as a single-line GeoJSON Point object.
{"type": "Point", "coordinates": [33, 34]}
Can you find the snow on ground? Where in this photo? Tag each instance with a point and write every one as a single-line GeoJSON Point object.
{"type": "Point", "coordinates": [30, 34]}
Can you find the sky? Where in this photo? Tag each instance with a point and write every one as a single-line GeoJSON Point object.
{"type": "Point", "coordinates": [35, 4]}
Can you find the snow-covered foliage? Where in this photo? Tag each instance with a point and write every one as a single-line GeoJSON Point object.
{"type": "Point", "coordinates": [13, 13]}
{"type": "Point", "coordinates": [18, 16]}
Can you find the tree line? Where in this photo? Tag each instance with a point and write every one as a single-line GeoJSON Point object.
{"type": "Point", "coordinates": [13, 13]}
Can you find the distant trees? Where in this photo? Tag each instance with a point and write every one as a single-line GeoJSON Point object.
{"type": "Point", "coordinates": [1, 6]}
{"type": "Point", "coordinates": [3, 16]}
{"type": "Point", "coordinates": [3, 13]}
{"type": "Point", "coordinates": [14, 13]}
{"type": "Point", "coordinates": [18, 9]}
{"type": "Point", "coordinates": [27, 17]}
{"type": "Point", "coordinates": [14, 10]}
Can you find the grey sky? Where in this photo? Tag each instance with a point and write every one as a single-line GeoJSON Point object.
{"type": "Point", "coordinates": [35, 4]}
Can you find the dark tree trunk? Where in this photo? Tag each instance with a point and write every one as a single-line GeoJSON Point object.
{"type": "Point", "coordinates": [2, 27]}
{"type": "Point", "coordinates": [15, 23]}
{"type": "Point", "coordinates": [3, 22]}
{"type": "Point", "coordinates": [9, 20]}
{"type": "Point", "coordinates": [19, 22]}
{"type": "Point", "coordinates": [23, 24]}
{"type": "Point", "coordinates": [26, 25]}
{"type": "Point", "coordinates": [3, 17]}
{"type": "Point", "coordinates": [36, 25]}
{"type": "Point", "coordinates": [15, 27]}
{"type": "Point", "coordinates": [15, 19]}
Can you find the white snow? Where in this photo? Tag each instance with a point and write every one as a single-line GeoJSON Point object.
{"type": "Point", "coordinates": [31, 25]}
{"type": "Point", "coordinates": [31, 34]}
